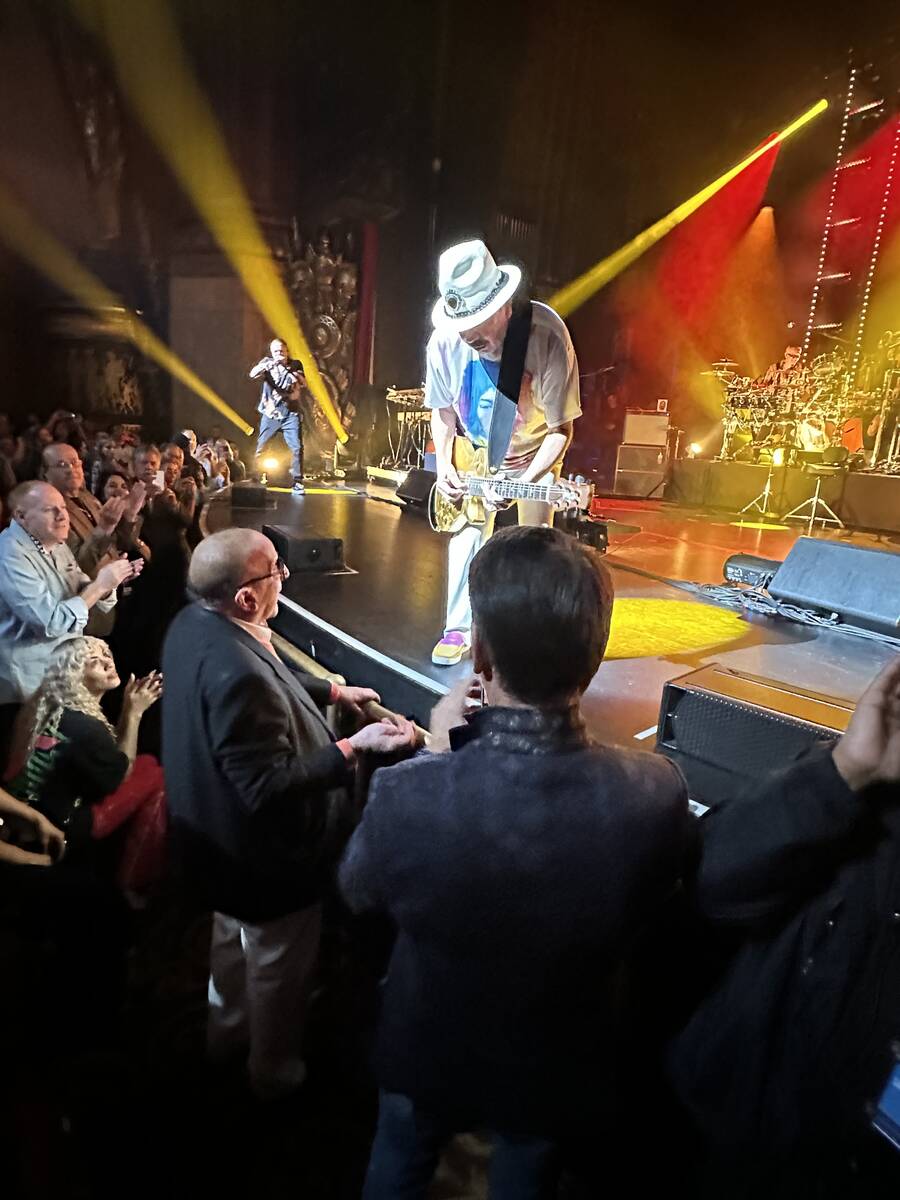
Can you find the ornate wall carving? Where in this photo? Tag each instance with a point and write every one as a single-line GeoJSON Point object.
{"type": "Point", "coordinates": [323, 279]}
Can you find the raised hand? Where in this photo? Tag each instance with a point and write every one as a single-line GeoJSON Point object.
{"type": "Point", "coordinates": [869, 752]}
{"type": "Point", "coordinates": [450, 712]}
{"type": "Point", "coordinates": [135, 501]}
{"type": "Point", "coordinates": [110, 514]}
{"type": "Point", "coordinates": [112, 574]}
{"type": "Point", "coordinates": [140, 694]}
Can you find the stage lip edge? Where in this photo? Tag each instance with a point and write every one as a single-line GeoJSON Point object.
{"type": "Point", "coordinates": [348, 639]}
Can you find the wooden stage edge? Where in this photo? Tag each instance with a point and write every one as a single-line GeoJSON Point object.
{"type": "Point", "coordinates": [378, 624]}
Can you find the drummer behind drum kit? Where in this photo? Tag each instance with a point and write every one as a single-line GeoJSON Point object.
{"type": "Point", "coordinates": [804, 413]}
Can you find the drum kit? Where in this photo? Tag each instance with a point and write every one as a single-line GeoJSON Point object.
{"type": "Point", "coordinates": [794, 415]}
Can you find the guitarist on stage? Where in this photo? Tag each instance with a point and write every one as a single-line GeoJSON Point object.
{"type": "Point", "coordinates": [464, 358]}
{"type": "Point", "coordinates": [279, 405]}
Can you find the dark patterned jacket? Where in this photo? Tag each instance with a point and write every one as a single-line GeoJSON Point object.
{"type": "Point", "coordinates": [519, 870]}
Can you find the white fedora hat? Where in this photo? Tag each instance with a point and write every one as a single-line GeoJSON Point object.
{"type": "Point", "coordinates": [472, 286]}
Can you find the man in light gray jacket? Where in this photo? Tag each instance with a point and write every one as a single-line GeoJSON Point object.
{"type": "Point", "coordinates": [45, 597]}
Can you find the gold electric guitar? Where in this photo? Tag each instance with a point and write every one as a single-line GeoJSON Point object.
{"type": "Point", "coordinates": [449, 516]}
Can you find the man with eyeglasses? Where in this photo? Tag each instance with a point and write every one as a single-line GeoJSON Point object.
{"type": "Point", "coordinates": [45, 597]}
{"type": "Point", "coordinates": [256, 788]}
{"type": "Point", "coordinates": [94, 528]}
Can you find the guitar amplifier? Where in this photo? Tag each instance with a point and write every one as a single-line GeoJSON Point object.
{"type": "Point", "coordinates": [646, 428]}
{"type": "Point", "coordinates": [721, 727]}
{"type": "Point", "coordinates": [640, 470]}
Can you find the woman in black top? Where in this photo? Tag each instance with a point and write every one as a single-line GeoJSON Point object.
{"type": "Point", "coordinates": [86, 777]}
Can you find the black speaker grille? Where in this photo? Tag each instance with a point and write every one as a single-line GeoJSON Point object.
{"type": "Point", "coordinates": [741, 738]}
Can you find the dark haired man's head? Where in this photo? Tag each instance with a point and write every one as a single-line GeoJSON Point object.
{"type": "Point", "coordinates": [541, 606]}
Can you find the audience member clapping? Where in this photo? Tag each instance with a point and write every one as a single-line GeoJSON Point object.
{"type": "Point", "coordinates": [95, 528]}
{"type": "Point", "coordinates": [45, 597]}
{"type": "Point", "coordinates": [85, 777]}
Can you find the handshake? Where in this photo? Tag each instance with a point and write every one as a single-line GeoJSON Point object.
{"type": "Point", "coordinates": [386, 734]}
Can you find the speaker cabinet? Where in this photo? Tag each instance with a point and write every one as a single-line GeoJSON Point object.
{"type": "Point", "coordinates": [861, 585]}
{"type": "Point", "coordinates": [719, 726]}
{"type": "Point", "coordinates": [416, 487]}
{"type": "Point", "coordinates": [640, 470]}
{"type": "Point", "coordinates": [249, 495]}
{"type": "Point", "coordinates": [305, 553]}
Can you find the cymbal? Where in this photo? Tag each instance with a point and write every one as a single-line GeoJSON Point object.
{"type": "Point", "coordinates": [832, 337]}
{"type": "Point", "coordinates": [724, 362]}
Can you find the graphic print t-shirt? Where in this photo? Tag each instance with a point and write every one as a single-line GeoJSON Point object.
{"type": "Point", "coordinates": [549, 396]}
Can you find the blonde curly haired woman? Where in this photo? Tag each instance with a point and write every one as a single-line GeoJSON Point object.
{"type": "Point", "coordinates": [83, 775]}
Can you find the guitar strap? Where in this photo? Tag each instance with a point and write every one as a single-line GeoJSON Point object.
{"type": "Point", "coordinates": [509, 382]}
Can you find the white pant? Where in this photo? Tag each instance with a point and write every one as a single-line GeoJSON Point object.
{"type": "Point", "coordinates": [259, 983]}
{"type": "Point", "coordinates": [466, 544]}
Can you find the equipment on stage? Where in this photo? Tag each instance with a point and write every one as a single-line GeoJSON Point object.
{"type": "Point", "coordinates": [249, 495]}
{"type": "Point", "coordinates": [449, 516]}
{"type": "Point", "coordinates": [645, 428]}
{"type": "Point", "coordinates": [814, 408]}
{"type": "Point", "coordinates": [409, 423]}
{"type": "Point", "coordinates": [750, 569]}
{"type": "Point", "coordinates": [307, 553]}
{"type": "Point", "coordinates": [416, 487]}
{"type": "Point", "coordinates": [642, 459]}
{"type": "Point", "coordinates": [718, 725]}
{"type": "Point", "coordinates": [860, 585]}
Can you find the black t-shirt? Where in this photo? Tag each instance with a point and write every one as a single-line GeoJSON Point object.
{"type": "Point", "coordinates": [66, 775]}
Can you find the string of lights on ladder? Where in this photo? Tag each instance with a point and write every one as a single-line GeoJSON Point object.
{"type": "Point", "coordinates": [829, 272]}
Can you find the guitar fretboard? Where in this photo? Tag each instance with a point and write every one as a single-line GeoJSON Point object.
{"type": "Point", "coordinates": [510, 489]}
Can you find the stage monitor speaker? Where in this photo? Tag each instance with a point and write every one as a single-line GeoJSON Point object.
{"type": "Point", "coordinates": [720, 725]}
{"type": "Point", "coordinates": [859, 584]}
{"type": "Point", "coordinates": [249, 495]}
{"type": "Point", "coordinates": [304, 553]}
{"type": "Point", "coordinates": [416, 487]}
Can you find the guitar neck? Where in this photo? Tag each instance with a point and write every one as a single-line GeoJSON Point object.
{"type": "Point", "coordinates": [509, 489]}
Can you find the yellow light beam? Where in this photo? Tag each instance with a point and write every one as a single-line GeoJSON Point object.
{"type": "Point", "coordinates": [574, 294]}
{"type": "Point", "coordinates": [154, 72]}
{"type": "Point", "coordinates": [45, 252]}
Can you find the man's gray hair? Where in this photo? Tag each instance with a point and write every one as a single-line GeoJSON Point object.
{"type": "Point", "coordinates": [22, 493]}
{"type": "Point", "coordinates": [218, 565]}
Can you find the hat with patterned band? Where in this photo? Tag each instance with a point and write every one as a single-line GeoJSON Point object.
{"type": "Point", "coordinates": [472, 286]}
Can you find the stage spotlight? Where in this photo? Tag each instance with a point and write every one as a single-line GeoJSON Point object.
{"type": "Point", "coordinates": [42, 250]}
{"type": "Point", "coordinates": [694, 449]}
{"type": "Point", "coordinates": [574, 294]}
{"type": "Point", "coordinates": [154, 72]}
{"type": "Point", "coordinates": [778, 457]}
{"type": "Point", "coordinates": [271, 464]}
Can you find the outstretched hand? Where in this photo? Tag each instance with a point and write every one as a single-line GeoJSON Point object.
{"type": "Point", "coordinates": [869, 752]}
{"type": "Point", "coordinates": [385, 737]}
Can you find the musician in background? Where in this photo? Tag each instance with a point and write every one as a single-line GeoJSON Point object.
{"type": "Point", "coordinates": [786, 372]}
{"type": "Point", "coordinates": [471, 320]}
{"type": "Point", "coordinates": [279, 405]}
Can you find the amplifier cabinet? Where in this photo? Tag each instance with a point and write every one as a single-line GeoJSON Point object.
{"type": "Point", "coordinates": [723, 728]}
{"type": "Point", "coordinates": [640, 470]}
{"type": "Point", "coordinates": [646, 428]}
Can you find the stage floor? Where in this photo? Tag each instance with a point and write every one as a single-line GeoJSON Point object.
{"type": "Point", "coordinates": [378, 624]}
